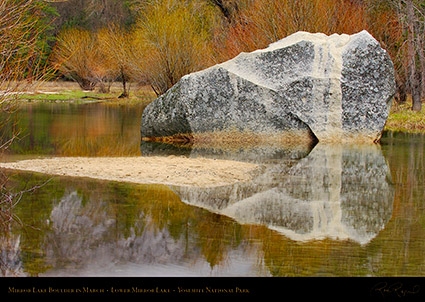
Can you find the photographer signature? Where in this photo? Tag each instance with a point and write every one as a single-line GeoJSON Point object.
{"type": "Point", "coordinates": [398, 289]}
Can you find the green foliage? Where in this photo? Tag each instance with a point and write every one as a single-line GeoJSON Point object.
{"type": "Point", "coordinates": [46, 40]}
{"type": "Point", "coordinates": [402, 118]}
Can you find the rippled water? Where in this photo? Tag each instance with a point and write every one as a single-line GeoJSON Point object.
{"type": "Point", "coordinates": [310, 211]}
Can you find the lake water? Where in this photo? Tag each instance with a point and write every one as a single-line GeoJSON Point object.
{"type": "Point", "coordinates": [310, 211]}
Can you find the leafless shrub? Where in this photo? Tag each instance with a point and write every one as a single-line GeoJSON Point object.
{"type": "Point", "coordinates": [20, 66]}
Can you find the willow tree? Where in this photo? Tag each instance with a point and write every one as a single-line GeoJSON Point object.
{"type": "Point", "coordinates": [115, 42]}
{"type": "Point", "coordinates": [79, 56]}
{"type": "Point", "coordinates": [172, 38]}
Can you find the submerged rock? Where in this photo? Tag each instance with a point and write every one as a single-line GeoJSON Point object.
{"type": "Point", "coordinates": [314, 86]}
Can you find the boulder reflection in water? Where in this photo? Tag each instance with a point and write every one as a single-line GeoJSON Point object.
{"type": "Point", "coordinates": [336, 191]}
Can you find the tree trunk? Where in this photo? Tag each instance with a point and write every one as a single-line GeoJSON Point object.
{"type": "Point", "coordinates": [414, 85]}
{"type": "Point", "coordinates": [421, 49]}
{"type": "Point", "coordinates": [416, 95]}
{"type": "Point", "coordinates": [124, 93]}
{"type": "Point", "coordinates": [401, 90]}
{"type": "Point", "coordinates": [224, 10]}
{"type": "Point", "coordinates": [86, 84]}
{"type": "Point", "coordinates": [104, 88]}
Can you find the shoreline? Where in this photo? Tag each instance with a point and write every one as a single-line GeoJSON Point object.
{"type": "Point", "coordinates": [170, 170]}
{"type": "Point", "coordinates": [401, 117]}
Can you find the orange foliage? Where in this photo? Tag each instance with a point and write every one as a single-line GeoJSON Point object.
{"type": "Point", "coordinates": [79, 55]}
{"type": "Point", "coordinates": [173, 38]}
{"type": "Point", "coordinates": [265, 22]}
{"type": "Point", "coordinates": [385, 25]}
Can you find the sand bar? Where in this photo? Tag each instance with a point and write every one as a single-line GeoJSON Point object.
{"type": "Point", "coordinates": [171, 170]}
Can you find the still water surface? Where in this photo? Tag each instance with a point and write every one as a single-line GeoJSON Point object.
{"type": "Point", "coordinates": [310, 211]}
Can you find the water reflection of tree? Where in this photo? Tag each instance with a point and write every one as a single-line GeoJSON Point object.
{"type": "Point", "coordinates": [10, 260]}
{"type": "Point", "coordinates": [213, 234]}
{"type": "Point", "coordinates": [407, 163]}
{"type": "Point", "coordinates": [94, 233]}
{"type": "Point", "coordinates": [78, 130]}
{"type": "Point", "coordinates": [98, 131]}
{"type": "Point", "coordinates": [105, 223]}
{"type": "Point", "coordinates": [150, 224]}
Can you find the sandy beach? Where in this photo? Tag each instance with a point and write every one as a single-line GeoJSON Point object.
{"type": "Point", "coordinates": [171, 170]}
